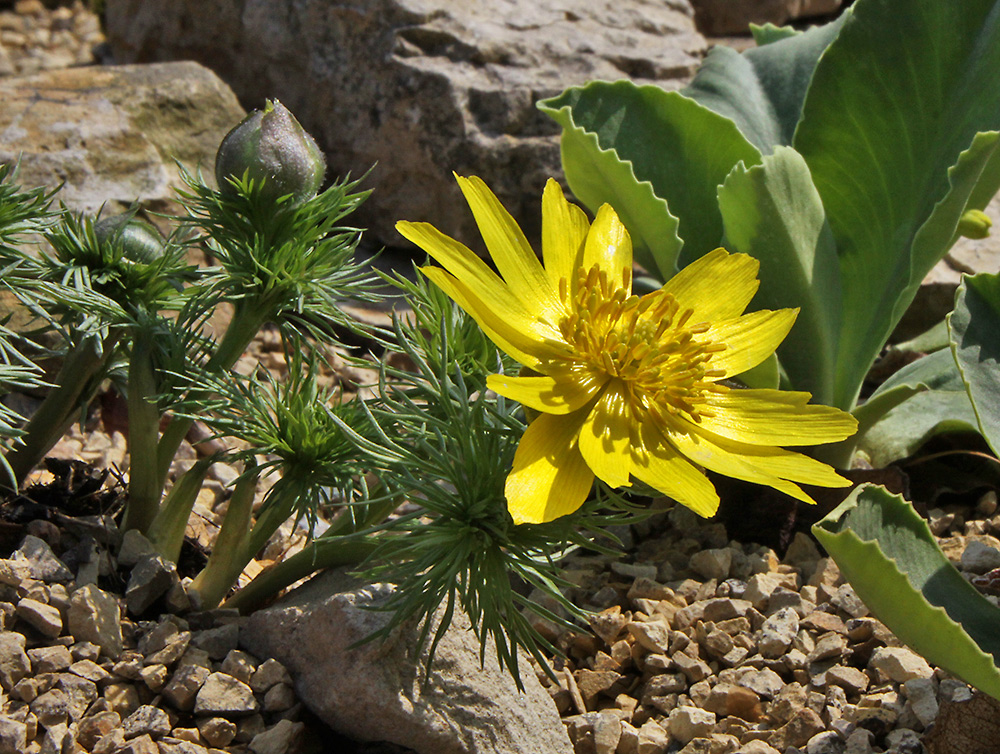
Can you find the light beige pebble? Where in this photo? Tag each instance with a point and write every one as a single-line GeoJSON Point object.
{"type": "Point", "coordinates": [652, 738]}
{"type": "Point", "coordinates": [653, 636]}
{"type": "Point", "coordinates": [849, 679]}
{"type": "Point", "coordinates": [686, 723]}
{"type": "Point", "coordinates": [43, 618]}
{"type": "Point", "coordinates": [900, 664]}
{"type": "Point", "coordinates": [712, 563]}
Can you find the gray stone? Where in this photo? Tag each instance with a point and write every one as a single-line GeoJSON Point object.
{"type": "Point", "coordinates": [778, 632]}
{"type": "Point", "coordinates": [94, 616]}
{"type": "Point", "coordinates": [712, 563]}
{"type": "Point", "coordinates": [151, 578]}
{"type": "Point", "coordinates": [827, 742]}
{"type": "Point", "coordinates": [43, 618]}
{"type": "Point", "coordinates": [14, 662]}
{"type": "Point", "coordinates": [378, 691]}
{"type": "Point", "coordinates": [921, 695]}
{"type": "Point", "coordinates": [685, 723]}
{"type": "Point", "coordinates": [221, 694]}
{"type": "Point", "coordinates": [980, 557]}
{"type": "Point", "coordinates": [146, 720]}
{"type": "Point", "coordinates": [218, 641]}
{"type": "Point", "coordinates": [167, 745]}
{"type": "Point", "coordinates": [79, 693]}
{"type": "Point", "coordinates": [44, 564]}
{"type": "Point", "coordinates": [134, 548]}
{"type": "Point", "coordinates": [13, 735]}
{"type": "Point", "coordinates": [269, 673]}
{"type": "Point", "coordinates": [184, 685]}
{"type": "Point", "coordinates": [900, 664]}
{"type": "Point", "coordinates": [281, 738]}
{"type": "Point", "coordinates": [111, 134]}
{"type": "Point", "coordinates": [421, 87]}
{"type": "Point", "coordinates": [725, 17]}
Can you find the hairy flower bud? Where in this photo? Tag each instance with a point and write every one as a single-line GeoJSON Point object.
{"type": "Point", "coordinates": [270, 145]}
{"type": "Point", "coordinates": [141, 242]}
{"type": "Point", "coordinates": [974, 224]}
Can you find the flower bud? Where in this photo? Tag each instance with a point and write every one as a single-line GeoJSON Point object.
{"type": "Point", "coordinates": [141, 242]}
{"type": "Point", "coordinates": [270, 145]}
{"type": "Point", "coordinates": [974, 224]}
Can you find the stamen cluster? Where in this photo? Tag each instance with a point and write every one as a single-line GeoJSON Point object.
{"type": "Point", "coordinates": [647, 342]}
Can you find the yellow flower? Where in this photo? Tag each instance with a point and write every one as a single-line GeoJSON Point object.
{"type": "Point", "coordinates": [627, 386]}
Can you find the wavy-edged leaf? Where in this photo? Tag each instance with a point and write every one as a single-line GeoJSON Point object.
{"type": "Point", "coordinates": [901, 434]}
{"type": "Point", "coordinates": [887, 553]}
{"type": "Point", "coordinates": [683, 149]}
{"type": "Point", "coordinates": [903, 429]}
{"type": "Point", "coordinates": [974, 327]}
{"type": "Point", "coordinates": [762, 89]}
{"type": "Point", "coordinates": [773, 212]}
{"type": "Point", "coordinates": [891, 107]}
{"type": "Point", "coordinates": [764, 34]}
{"type": "Point", "coordinates": [599, 175]}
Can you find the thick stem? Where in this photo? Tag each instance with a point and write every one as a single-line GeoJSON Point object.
{"type": "Point", "coordinates": [144, 486]}
{"type": "Point", "coordinates": [243, 327]}
{"type": "Point", "coordinates": [231, 553]}
{"type": "Point", "coordinates": [75, 386]}
{"type": "Point", "coordinates": [325, 552]}
{"type": "Point", "coordinates": [168, 528]}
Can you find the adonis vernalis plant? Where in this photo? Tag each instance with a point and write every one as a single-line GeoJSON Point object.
{"type": "Point", "coordinates": [627, 386]}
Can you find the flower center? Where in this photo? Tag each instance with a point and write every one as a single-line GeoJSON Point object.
{"type": "Point", "coordinates": [647, 342]}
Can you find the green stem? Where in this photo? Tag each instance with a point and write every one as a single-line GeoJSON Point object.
{"type": "Point", "coordinates": [75, 385]}
{"type": "Point", "coordinates": [143, 431]}
{"type": "Point", "coordinates": [231, 553]}
{"type": "Point", "coordinates": [247, 321]}
{"type": "Point", "coordinates": [325, 552]}
{"type": "Point", "coordinates": [168, 528]}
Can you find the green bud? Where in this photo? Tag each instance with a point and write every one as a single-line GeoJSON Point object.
{"type": "Point", "coordinates": [269, 145]}
{"type": "Point", "coordinates": [974, 224]}
{"type": "Point", "coordinates": [141, 242]}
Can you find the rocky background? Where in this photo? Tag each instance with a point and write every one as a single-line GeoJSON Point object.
{"type": "Point", "coordinates": [701, 644]}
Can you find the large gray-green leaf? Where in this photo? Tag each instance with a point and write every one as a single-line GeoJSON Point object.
{"type": "Point", "coordinates": [599, 175]}
{"type": "Point", "coordinates": [762, 89]}
{"type": "Point", "coordinates": [684, 151]}
{"type": "Point", "coordinates": [921, 400]}
{"type": "Point", "coordinates": [892, 104]}
{"type": "Point", "coordinates": [901, 431]}
{"type": "Point", "coordinates": [889, 556]}
{"type": "Point", "coordinates": [773, 212]}
{"type": "Point", "coordinates": [975, 342]}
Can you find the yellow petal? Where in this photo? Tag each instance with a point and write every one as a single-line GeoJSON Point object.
{"type": "Point", "coordinates": [461, 262]}
{"type": "Point", "coordinates": [749, 339]}
{"type": "Point", "coordinates": [775, 417]}
{"type": "Point", "coordinates": [550, 478]}
{"type": "Point", "coordinates": [564, 230]}
{"type": "Point", "coordinates": [605, 437]}
{"type": "Point", "coordinates": [561, 394]}
{"type": "Point", "coordinates": [718, 285]}
{"type": "Point", "coordinates": [657, 463]}
{"type": "Point", "coordinates": [774, 467]}
{"type": "Point", "coordinates": [529, 342]}
{"type": "Point", "coordinates": [610, 247]}
{"type": "Point", "coordinates": [511, 253]}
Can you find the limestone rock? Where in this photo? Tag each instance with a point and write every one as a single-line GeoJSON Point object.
{"type": "Point", "coordinates": [421, 87]}
{"type": "Point", "coordinates": [722, 17]}
{"type": "Point", "coordinates": [94, 616]}
{"type": "Point", "coordinates": [377, 691]}
{"type": "Point", "coordinates": [112, 133]}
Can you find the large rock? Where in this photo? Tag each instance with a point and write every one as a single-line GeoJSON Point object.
{"type": "Point", "coordinates": [112, 134]}
{"type": "Point", "coordinates": [722, 17]}
{"type": "Point", "coordinates": [421, 87]}
{"type": "Point", "coordinates": [377, 692]}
